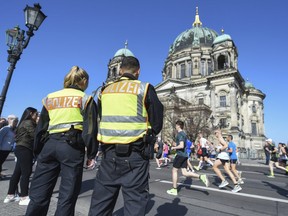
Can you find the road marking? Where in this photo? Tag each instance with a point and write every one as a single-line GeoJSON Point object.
{"type": "Point", "coordinates": [227, 192]}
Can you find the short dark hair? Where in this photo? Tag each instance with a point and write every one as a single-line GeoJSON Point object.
{"type": "Point", "coordinates": [230, 136]}
{"type": "Point", "coordinates": [180, 123]}
{"type": "Point", "coordinates": [130, 64]}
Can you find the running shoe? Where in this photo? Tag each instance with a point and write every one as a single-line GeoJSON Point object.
{"type": "Point", "coordinates": [172, 191]}
{"type": "Point", "coordinates": [236, 188]}
{"type": "Point", "coordinates": [196, 167]}
{"type": "Point", "coordinates": [223, 184]}
{"type": "Point", "coordinates": [158, 167]}
{"type": "Point", "coordinates": [24, 201]}
{"type": "Point", "coordinates": [11, 198]}
{"type": "Point", "coordinates": [205, 180]}
{"type": "Point", "coordinates": [271, 176]}
{"type": "Point", "coordinates": [240, 181]}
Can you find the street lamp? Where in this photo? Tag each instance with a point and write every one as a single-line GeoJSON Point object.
{"type": "Point", "coordinates": [16, 41]}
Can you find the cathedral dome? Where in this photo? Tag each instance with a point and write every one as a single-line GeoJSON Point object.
{"type": "Point", "coordinates": [222, 38]}
{"type": "Point", "coordinates": [197, 35]}
{"type": "Point", "coordinates": [248, 85]}
{"type": "Point", "coordinates": [123, 51]}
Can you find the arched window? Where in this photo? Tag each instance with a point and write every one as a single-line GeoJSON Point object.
{"type": "Point", "coordinates": [221, 62]}
{"type": "Point", "coordinates": [114, 72]}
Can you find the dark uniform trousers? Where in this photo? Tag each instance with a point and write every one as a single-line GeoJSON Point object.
{"type": "Point", "coordinates": [131, 173]}
{"type": "Point", "coordinates": [57, 155]}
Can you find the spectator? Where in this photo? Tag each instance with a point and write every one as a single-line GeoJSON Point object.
{"type": "Point", "coordinates": [7, 136]}
{"type": "Point", "coordinates": [24, 139]}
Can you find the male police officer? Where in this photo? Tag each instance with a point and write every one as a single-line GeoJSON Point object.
{"type": "Point", "coordinates": [130, 112]}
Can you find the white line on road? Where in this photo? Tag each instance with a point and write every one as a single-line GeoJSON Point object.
{"type": "Point", "coordinates": [228, 192]}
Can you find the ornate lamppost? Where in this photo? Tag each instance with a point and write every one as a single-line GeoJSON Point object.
{"type": "Point", "coordinates": [17, 42]}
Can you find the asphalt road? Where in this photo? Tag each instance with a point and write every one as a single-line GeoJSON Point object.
{"type": "Point", "coordinates": [260, 195]}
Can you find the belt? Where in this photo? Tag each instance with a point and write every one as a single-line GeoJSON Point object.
{"type": "Point", "coordinates": [58, 135]}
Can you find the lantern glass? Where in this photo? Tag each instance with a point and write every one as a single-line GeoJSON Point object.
{"type": "Point", "coordinates": [11, 37]}
{"type": "Point", "coordinates": [34, 16]}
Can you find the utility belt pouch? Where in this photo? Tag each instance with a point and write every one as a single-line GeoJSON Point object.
{"type": "Point", "coordinates": [74, 138]}
{"type": "Point", "coordinates": [123, 150]}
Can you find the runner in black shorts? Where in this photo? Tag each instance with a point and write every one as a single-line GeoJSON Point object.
{"type": "Point", "coordinates": [204, 144]}
{"type": "Point", "coordinates": [180, 160]}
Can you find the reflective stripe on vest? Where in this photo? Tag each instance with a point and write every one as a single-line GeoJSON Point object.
{"type": "Point", "coordinates": [65, 108]}
{"type": "Point", "coordinates": [128, 121]}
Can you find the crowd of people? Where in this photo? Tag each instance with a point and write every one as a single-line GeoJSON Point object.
{"type": "Point", "coordinates": [206, 153]}
{"type": "Point", "coordinates": [71, 124]}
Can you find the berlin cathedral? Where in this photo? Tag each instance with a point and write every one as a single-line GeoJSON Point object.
{"type": "Point", "coordinates": [202, 86]}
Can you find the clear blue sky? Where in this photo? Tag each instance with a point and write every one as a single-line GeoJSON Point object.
{"type": "Point", "coordinates": [89, 32]}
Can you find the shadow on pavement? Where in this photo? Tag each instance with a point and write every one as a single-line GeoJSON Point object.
{"type": "Point", "coordinates": [280, 190]}
{"type": "Point", "coordinates": [173, 208]}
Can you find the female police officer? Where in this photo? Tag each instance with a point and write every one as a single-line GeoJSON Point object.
{"type": "Point", "coordinates": [70, 117]}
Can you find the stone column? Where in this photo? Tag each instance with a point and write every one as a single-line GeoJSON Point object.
{"type": "Point", "coordinates": [233, 105]}
{"type": "Point", "coordinates": [173, 71]}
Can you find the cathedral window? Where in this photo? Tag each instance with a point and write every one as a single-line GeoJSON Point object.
{"type": "Point", "coordinates": [253, 108]}
{"type": "Point", "coordinates": [169, 75]}
{"type": "Point", "coordinates": [201, 101]}
{"type": "Point", "coordinates": [209, 67]}
{"type": "Point", "coordinates": [203, 69]}
{"type": "Point", "coordinates": [182, 71]}
{"type": "Point", "coordinates": [253, 129]}
{"type": "Point", "coordinates": [114, 74]}
{"type": "Point", "coordinates": [223, 123]}
{"type": "Point", "coordinates": [223, 101]}
{"type": "Point", "coordinates": [221, 62]}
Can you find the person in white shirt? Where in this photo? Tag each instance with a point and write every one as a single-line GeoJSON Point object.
{"type": "Point", "coordinates": [204, 144]}
{"type": "Point", "coordinates": [223, 159]}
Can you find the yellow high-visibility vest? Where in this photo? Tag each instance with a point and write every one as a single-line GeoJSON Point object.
{"type": "Point", "coordinates": [65, 109]}
{"type": "Point", "coordinates": [124, 115]}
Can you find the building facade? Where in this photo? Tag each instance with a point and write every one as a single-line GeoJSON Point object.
{"type": "Point", "coordinates": [202, 86]}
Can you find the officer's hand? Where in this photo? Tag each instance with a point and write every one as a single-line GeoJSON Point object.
{"type": "Point", "coordinates": [91, 163]}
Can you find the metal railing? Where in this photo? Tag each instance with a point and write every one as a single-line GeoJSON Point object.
{"type": "Point", "coordinates": [251, 154]}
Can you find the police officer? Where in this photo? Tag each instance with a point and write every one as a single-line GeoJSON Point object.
{"type": "Point", "coordinates": [70, 118]}
{"type": "Point", "coordinates": [130, 114]}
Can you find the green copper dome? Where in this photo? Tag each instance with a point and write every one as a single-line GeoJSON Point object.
{"type": "Point", "coordinates": [248, 85]}
{"type": "Point", "coordinates": [222, 38]}
{"type": "Point", "coordinates": [196, 36]}
{"type": "Point", "coordinates": [123, 51]}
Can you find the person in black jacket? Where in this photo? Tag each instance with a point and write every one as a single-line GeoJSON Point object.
{"type": "Point", "coordinates": [24, 152]}
{"type": "Point", "coordinates": [70, 118]}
